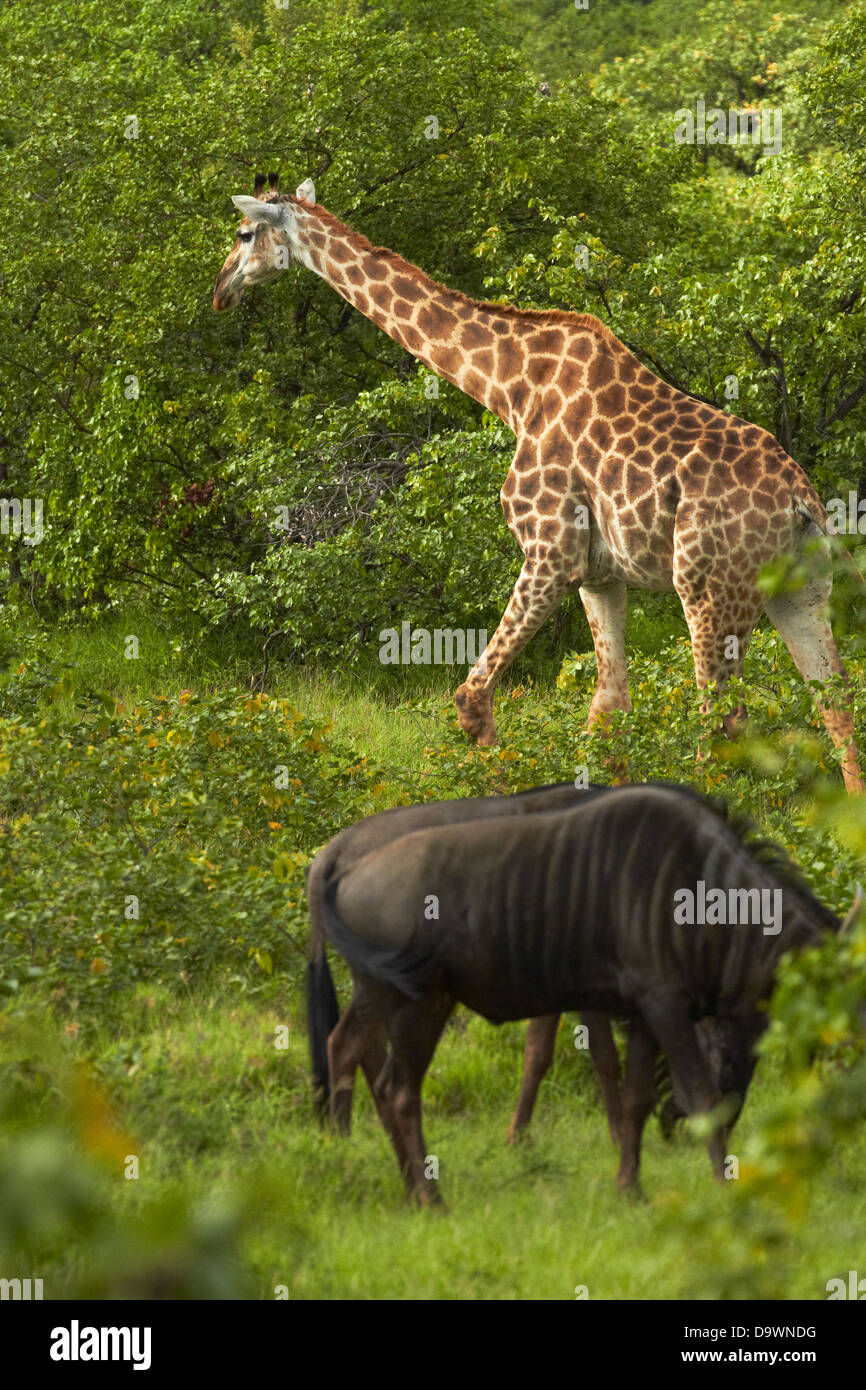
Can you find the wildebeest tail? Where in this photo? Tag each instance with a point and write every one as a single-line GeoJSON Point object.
{"type": "Point", "coordinates": [323, 1015]}
{"type": "Point", "coordinates": [408, 968]}
{"type": "Point", "coordinates": [323, 1012]}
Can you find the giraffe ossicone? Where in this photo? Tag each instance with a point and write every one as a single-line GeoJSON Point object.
{"type": "Point", "coordinates": [673, 494]}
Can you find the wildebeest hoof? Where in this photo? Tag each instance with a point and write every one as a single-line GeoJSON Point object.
{"type": "Point", "coordinates": [630, 1187]}
{"type": "Point", "coordinates": [475, 716]}
{"type": "Point", "coordinates": [429, 1199]}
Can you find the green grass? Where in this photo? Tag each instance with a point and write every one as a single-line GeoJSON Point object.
{"type": "Point", "coordinates": [239, 1192]}
{"type": "Point", "coordinates": [210, 1107]}
{"type": "Point", "coordinates": [171, 660]}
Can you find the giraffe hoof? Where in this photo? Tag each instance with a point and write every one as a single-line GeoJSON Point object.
{"type": "Point", "coordinates": [735, 723]}
{"type": "Point", "coordinates": [475, 716]}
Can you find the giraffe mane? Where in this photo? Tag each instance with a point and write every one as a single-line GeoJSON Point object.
{"type": "Point", "coordinates": [563, 316]}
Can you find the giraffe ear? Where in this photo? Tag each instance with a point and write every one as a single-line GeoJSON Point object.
{"type": "Point", "coordinates": [258, 211]}
{"type": "Point", "coordinates": [306, 192]}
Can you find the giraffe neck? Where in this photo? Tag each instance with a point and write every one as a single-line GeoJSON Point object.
{"type": "Point", "coordinates": [469, 344]}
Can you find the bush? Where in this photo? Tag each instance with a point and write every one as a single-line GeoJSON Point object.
{"type": "Point", "coordinates": [161, 841]}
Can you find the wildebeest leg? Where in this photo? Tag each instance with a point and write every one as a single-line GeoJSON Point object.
{"type": "Point", "coordinates": [383, 1094]}
{"type": "Point", "coordinates": [669, 1020]}
{"type": "Point", "coordinates": [732, 1046]}
{"type": "Point", "coordinates": [605, 1059]}
{"type": "Point", "coordinates": [373, 1061]}
{"type": "Point", "coordinates": [670, 1109]}
{"type": "Point", "coordinates": [638, 1098]}
{"type": "Point", "coordinates": [537, 1059]}
{"type": "Point", "coordinates": [357, 1040]}
{"type": "Point", "coordinates": [415, 1028]}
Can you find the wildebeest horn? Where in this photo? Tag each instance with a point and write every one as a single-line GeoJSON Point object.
{"type": "Point", "coordinates": [851, 915]}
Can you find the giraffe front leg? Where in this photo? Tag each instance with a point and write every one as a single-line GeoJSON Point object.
{"type": "Point", "coordinates": [605, 609]}
{"type": "Point", "coordinates": [543, 580]}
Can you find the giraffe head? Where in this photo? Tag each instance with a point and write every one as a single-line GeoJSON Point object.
{"type": "Point", "coordinates": [267, 240]}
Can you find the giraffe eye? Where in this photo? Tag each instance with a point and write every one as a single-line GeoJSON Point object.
{"type": "Point", "coordinates": [245, 236]}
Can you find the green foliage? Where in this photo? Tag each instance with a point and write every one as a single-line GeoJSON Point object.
{"type": "Point", "coordinates": [283, 478]}
{"type": "Point", "coordinates": [817, 1026]}
{"type": "Point", "coordinates": [250, 470]}
{"type": "Point", "coordinates": [374, 567]}
{"type": "Point", "coordinates": [168, 483]}
{"type": "Point", "coordinates": [164, 841]}
{"type": "Point", "coordinates": [753, 299]}
{"type": "Point", "coordinates": [63, 1158]}
{"type": "Point", "coordinates": [176, 1035]}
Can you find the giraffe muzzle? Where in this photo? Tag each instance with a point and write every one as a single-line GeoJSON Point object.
{"type": "Point", "coordinates": [224, 296]}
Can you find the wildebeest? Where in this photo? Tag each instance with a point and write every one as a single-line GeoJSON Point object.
{"type": "Point", "coordinates": [359, 1038]}
{"type": "Point", "coordinates": [525, 916]}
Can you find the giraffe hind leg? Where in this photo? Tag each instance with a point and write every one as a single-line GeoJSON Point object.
{"type": "Point", "coordinates": [720, 633]}
{"type": "Point", "coordinates": [801, 619]}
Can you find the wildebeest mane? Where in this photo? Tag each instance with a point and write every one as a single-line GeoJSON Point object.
{"type": "Point", "coordinates": [772, 856]}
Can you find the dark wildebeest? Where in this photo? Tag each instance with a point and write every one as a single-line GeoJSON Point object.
{"type": "Point", "coordinates": [359, 1038]}
{"type": "Point", "coordinates": [574, 909]}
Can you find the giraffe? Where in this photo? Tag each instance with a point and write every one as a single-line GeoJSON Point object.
{"type": "Point", "coordinates": [618, 479]}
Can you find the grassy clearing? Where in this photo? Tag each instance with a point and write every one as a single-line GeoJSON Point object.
{"type": "Point", "coordinates": [216, 1114]}
{"type": "Point", "coordinates": [238, 1193]}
